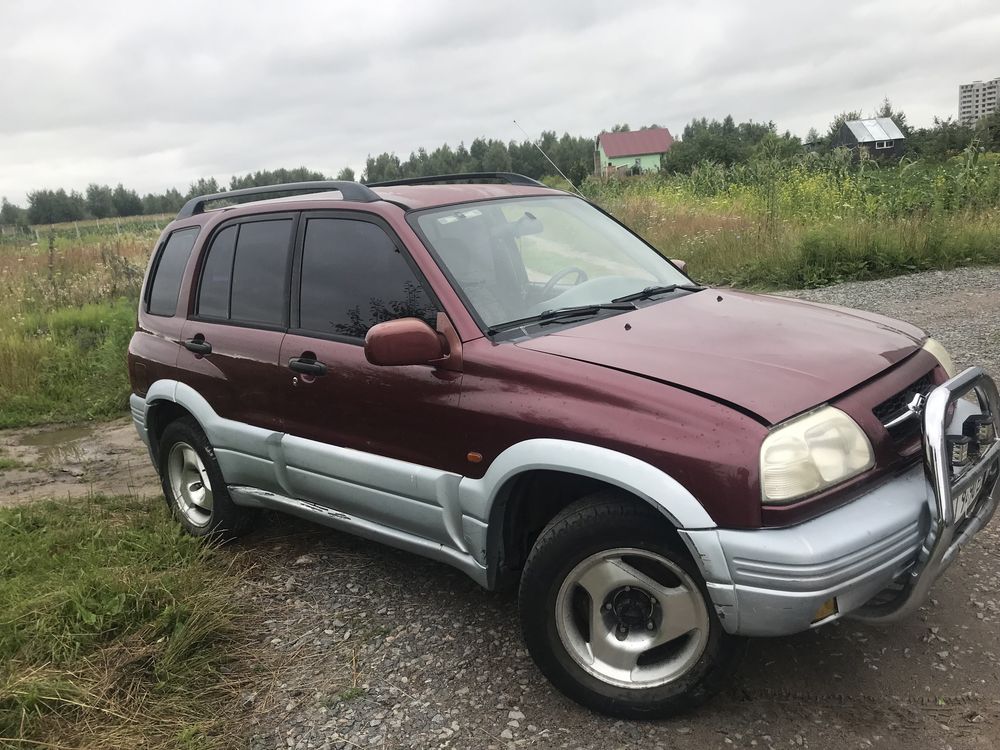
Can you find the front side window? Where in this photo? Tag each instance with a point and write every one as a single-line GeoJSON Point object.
{"type": "Point", "coordinates": [520, 257]}
{"type": "Point", "coordinates": [245, 273]}
{"type": "Point", "coordinates": [166, 282]}
{"type": "Point", "coordinates": [353, 277]}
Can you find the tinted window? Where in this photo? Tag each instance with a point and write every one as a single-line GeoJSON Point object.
{"type": "Point", "coordinates": [169, 270]}
{"type": "Point", "coordinates": [354, 277]}
{"type": "Point", "coordinates": [213, 295]}
{"type": "Point", "coordinates": [259, 272]}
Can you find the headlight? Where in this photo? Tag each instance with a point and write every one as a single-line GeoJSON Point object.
{"type": "Point", "coordinates": [811, 453]}
{"type": "Point", "coordinates": [936, 350]}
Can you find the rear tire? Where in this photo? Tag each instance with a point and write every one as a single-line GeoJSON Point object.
{"type": "Point", "coordinates": [193, 485]}
{"type": "Point", "coordinates": [616, 614]}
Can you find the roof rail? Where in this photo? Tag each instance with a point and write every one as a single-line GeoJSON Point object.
{"type": "Point", "coordinates": [351, 191]}
{"type": "Point", "coordinates": [511, 178]}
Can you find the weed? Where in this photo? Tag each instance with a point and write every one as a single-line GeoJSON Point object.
{"type": "Point", "coordinates": [351, 693]}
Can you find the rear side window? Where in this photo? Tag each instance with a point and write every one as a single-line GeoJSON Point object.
{"type": "Point", "coordinates": [169, 270]}
{"type": "Point", "coordinates": [217, 275]}
{"type": "Point", "coordinates": [354, 277]}
{"type": "Point", "coordinates": [245, 273]}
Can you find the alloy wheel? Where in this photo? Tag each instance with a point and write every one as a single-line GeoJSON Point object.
{"type": "Point", "coordinates": [632, 618]}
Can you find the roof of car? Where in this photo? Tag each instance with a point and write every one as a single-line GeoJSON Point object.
{"type": "Point", "coordinates": [429, 196]}
{"type": "Point", "coordinates": [411, 197]}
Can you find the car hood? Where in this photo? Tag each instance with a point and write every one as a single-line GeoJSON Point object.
{"type": "Point", "coordinates": [773, 356]}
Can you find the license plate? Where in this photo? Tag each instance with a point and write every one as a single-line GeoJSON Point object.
{"type": "Point", "coordinates": [965, 501]}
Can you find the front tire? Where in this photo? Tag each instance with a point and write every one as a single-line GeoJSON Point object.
{"type": "Point", "coordinates": [192, 481]}
{"type": "Point", "coordinates": [616, 614]}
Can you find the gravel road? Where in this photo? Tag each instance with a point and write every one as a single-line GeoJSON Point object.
{"type": "Point", "coordinates": [384, 649]}
{"type": "Point", "coordinates": [381, 649]}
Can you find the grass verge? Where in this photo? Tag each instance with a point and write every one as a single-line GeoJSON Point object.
{"type": "Point", "coordinates": [116, 630]}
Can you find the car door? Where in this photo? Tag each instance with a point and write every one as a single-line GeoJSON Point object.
{"type": "Point", "coordinates": [232, 341]}
{"type": "Point", "coordinates": [370, 441]}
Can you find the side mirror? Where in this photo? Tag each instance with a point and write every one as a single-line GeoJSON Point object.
{"type": "Point", "coordinates": [406, 341]}
{"type": "Point", "coordinates": [681, 264]}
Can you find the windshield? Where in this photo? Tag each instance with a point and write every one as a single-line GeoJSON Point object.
{"type": "Point", "coordinates": [517, 258]}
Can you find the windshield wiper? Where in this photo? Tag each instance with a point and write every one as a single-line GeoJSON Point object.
{"type": "Point", "coordinates": [560, 314]}
{"type": "Point", "coordinates": [653, 291]}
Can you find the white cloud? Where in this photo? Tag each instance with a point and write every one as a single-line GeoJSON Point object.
{"type": "Point", "coordinates": [156, 95]}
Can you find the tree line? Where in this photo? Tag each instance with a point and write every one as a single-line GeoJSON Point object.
{"type": "Point", "coordinates": [573, 154]}
{"type": "Point", "coordinates": [105, 202]}
{"type": "Point", "coordinates": [723, 142]}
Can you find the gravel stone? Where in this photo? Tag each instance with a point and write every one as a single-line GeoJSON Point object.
{"type": "Point", "coordinates": [433, 661]}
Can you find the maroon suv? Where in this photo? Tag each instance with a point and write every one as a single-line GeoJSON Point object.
{"type": "Point", "coordinates": [500, 376]}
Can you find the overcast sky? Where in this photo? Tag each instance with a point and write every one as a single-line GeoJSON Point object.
{"type": "Point", "coordinates": [157, 94]}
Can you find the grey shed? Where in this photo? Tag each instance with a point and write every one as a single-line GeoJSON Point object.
{"type": "Point", "coordinates": [880, 136]}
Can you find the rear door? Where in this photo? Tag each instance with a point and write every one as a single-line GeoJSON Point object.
{"type": "Point", "coordinates": [232, 339]}
{"type": "Point", "coordinates": [375, 442]}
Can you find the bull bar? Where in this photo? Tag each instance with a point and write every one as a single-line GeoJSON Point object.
{"type": "Point", "coordinates": [950, 527]}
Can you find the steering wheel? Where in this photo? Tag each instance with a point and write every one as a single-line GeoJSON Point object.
{"type": "Point", "coordinates": [581, 276]}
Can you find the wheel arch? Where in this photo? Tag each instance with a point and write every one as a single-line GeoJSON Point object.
{"type": "Point", "coordinates": [532, 481]}
{"type": "Point", "coordinates": [169, 400]}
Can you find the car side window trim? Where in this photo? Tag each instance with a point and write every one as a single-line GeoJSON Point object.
{"type": "Point", "coordinates": [148, 291]}
{"type": "Point", "coordinates": [238, 221]}
{"type": "Point", "coordinates": [363, 216]}
{"type": "Point", "coordinates": [232, 272]}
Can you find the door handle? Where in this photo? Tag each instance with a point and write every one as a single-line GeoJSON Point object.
{"type": "Point", "coordinates": [198, 345]}
{"type": "Point", "coordinates": [307, 366]}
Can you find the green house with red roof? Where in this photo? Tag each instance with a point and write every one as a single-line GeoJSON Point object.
{"type": "Point", "coordinates": [639, 150]}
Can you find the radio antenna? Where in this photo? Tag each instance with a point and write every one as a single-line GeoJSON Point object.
{"type": "Point", "coordinates": [549, 160]}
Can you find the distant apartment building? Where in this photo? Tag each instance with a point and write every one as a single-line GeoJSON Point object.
{"type": "Point", "coordinates": [978, 99]}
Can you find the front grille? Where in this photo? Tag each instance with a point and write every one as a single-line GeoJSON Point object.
{"type": "Point", "coordinates": [896, 405]}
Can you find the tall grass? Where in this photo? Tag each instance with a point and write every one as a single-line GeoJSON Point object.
{"type": "Point", "coordinates": [116, 630]}
{"type": "Point", "coordinates": [66, 314]}
{"type": "Point", "coordinates": [66, 365]}
{"type": "Point", "coordinates": [816, 221]}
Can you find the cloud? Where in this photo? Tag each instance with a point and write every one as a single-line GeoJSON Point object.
{"type": "Point", "coordinates": [156, 95]}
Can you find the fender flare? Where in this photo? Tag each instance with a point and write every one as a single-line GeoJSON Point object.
{"type": "Point", "coordinates": [222, 433]}
{"type": "Point", "coordinates": [178, 393]}
{"type": "Point", "coordinates": [637, 477]}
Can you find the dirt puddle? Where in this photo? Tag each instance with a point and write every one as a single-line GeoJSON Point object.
{"type": "Point", "coordinates": [72, 461]}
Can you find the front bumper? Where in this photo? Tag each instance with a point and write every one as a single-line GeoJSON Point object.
{"type": "Point", "coordinates": [876, 557]}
